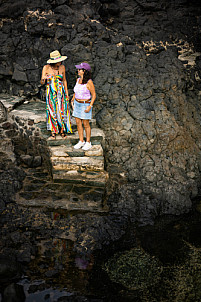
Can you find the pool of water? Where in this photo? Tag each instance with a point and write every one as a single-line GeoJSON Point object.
{"type": "Point", "coordinates": [58, 274]}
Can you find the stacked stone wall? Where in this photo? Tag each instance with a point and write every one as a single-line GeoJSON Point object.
{"type": "Point", "coordinates": [21, 148]}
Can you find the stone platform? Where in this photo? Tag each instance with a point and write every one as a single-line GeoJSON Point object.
{"type": "Point", "coordinates": [77, 179]}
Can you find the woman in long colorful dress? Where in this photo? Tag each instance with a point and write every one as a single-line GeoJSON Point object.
{"type": "Point", "coordinates": [57, 99]}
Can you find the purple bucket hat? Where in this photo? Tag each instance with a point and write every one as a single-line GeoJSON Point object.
{"type": "Point", "coordinates": [85, 66]}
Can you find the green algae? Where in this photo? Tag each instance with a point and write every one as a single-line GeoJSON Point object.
{"type": "Point", "coordinates": [134, 269]}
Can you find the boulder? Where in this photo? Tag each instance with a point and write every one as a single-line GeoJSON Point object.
{"type": "Point", "coordinates": [14, 293]}
{"type": "Point", "coordinates": [19, 75]}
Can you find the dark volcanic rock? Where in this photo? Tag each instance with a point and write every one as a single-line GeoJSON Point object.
{"type": "Point", "coordinates": [10, 10]}
{"type": "Point", "coordinates": [14, 293]}
{"type": "Point", "coordinates": [143, 57]}
{"type": "Point", "coordinates": [3, 113]}
{"type": "Point", "coordinates": [9, 269]}
{"type": "Point", "coordinates": [64, 10]}
{"type": "Point", "coordinates": [19, 75]}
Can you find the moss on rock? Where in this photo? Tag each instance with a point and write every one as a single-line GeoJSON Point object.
{"type": "Point", "coordinates": [134, 269]}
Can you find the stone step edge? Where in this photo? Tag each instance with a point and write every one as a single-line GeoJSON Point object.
{"type": "Point", "coordinates": [56, 205]}
{"type": "Point", "coordinates": [89, 183]}
{"type": "Point", "coordinates": [77, 163]}
{"type": "Point", "coordinates": [63, 198]}
{"type": "Point", "coordinates": [71, 152]}
{"type": "Point", "coordinates": [95, 140]}
{"type": "Point", "coordinates": [77, 159]}
{"type": "Point", "coordinates": [92, 122]}
{"type": "Point", "coordinates": [17, 101]}
{"type": "Point", "coordinates": [90, 180]}
{"type": "Point", "coordinates": [69, 167]}
{"type": "Point", "coordinates": [97, 134]}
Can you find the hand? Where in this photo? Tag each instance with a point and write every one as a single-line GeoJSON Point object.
{"type": "Point", "coordinates": [72, 104]}
{"type": "Point", "coordinates": [88, 109]}
{"type": "Point", "coordinates": [44, 81]}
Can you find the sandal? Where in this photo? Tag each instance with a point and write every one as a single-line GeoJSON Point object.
{"type": "Point", "coordinates": [53, 136]}
{"type": "Point", "coordinates": [63, 135]}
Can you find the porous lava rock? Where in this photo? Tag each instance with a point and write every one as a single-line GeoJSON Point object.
{"type": "Point", "coordinates": [145, 57]}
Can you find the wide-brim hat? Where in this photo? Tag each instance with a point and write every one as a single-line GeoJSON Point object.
{"type": "Point", "coordinates": [83, 65]}
{"type": "Point", "coordinates": [56, 57]}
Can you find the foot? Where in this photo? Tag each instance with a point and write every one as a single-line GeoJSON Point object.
{"type": "Point", "coordinates": [53, 136]}
{"type": "Point", "coordinates": [79, 145]}
{"type": "Point", "coordinates": [63, 135]}
{"type": "Point", "coordinates": [87, 146]}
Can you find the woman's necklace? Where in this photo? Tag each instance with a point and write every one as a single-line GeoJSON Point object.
{"type": "Point", "coordinates": [55, 69]}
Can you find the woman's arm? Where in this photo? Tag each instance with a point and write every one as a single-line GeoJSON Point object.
{"type": "Point", "coordinates": [90, 86]}
{"type": "Point", "coordinates": [65, 81]}
{"type": "Point", "coordinates": [44, 76]}
{"type": "Point", "coordinates": [72, 100]}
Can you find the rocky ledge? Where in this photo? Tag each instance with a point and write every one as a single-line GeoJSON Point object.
{"type": "Point", "coordinates": [145, 58]}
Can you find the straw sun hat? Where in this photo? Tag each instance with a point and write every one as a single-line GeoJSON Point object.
{"type": "Point", "coordinates": [56, 57]}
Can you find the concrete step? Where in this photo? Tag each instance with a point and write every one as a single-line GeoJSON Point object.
{"type": "Point", "coordinates": [86, 163]}
{"type": "Point", "coordinates": [67, 150]}
{"type": "Point", "coordinates": [90, 178]}
{"type": "Point", "coordinates": [97, 137]}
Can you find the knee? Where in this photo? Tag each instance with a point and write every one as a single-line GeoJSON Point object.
{"type": "Point", "coordinates": [86, 124]}
{"type": "Point", "coordinates": [78, 122]}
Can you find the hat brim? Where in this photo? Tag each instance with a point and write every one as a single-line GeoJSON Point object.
{"type": "Point", "coordinates": [81, 67]}
{"type": "Point", "coordinates": [50, 61]}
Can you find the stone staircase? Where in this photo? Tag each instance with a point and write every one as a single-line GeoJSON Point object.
{"type": "Point", "coordinates": [77, 179]}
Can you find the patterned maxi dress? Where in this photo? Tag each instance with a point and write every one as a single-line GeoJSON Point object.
{"type": "Point", "coordinates": [57, 105]}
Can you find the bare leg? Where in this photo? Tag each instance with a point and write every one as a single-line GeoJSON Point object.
{"type": "Point", "coordinates": [87, 130]}
{"type": "Point", "coordinates": [80, 128]}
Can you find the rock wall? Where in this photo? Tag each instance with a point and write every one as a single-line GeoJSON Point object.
{"type": "Point", "coordinates": [11, 176]}
{"type": "Point", "coordinates": [154, 133]}
{"type": "Point", "coordinates": [21, 148]}
{"type": "Point", "coordinates": [145, 59]}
